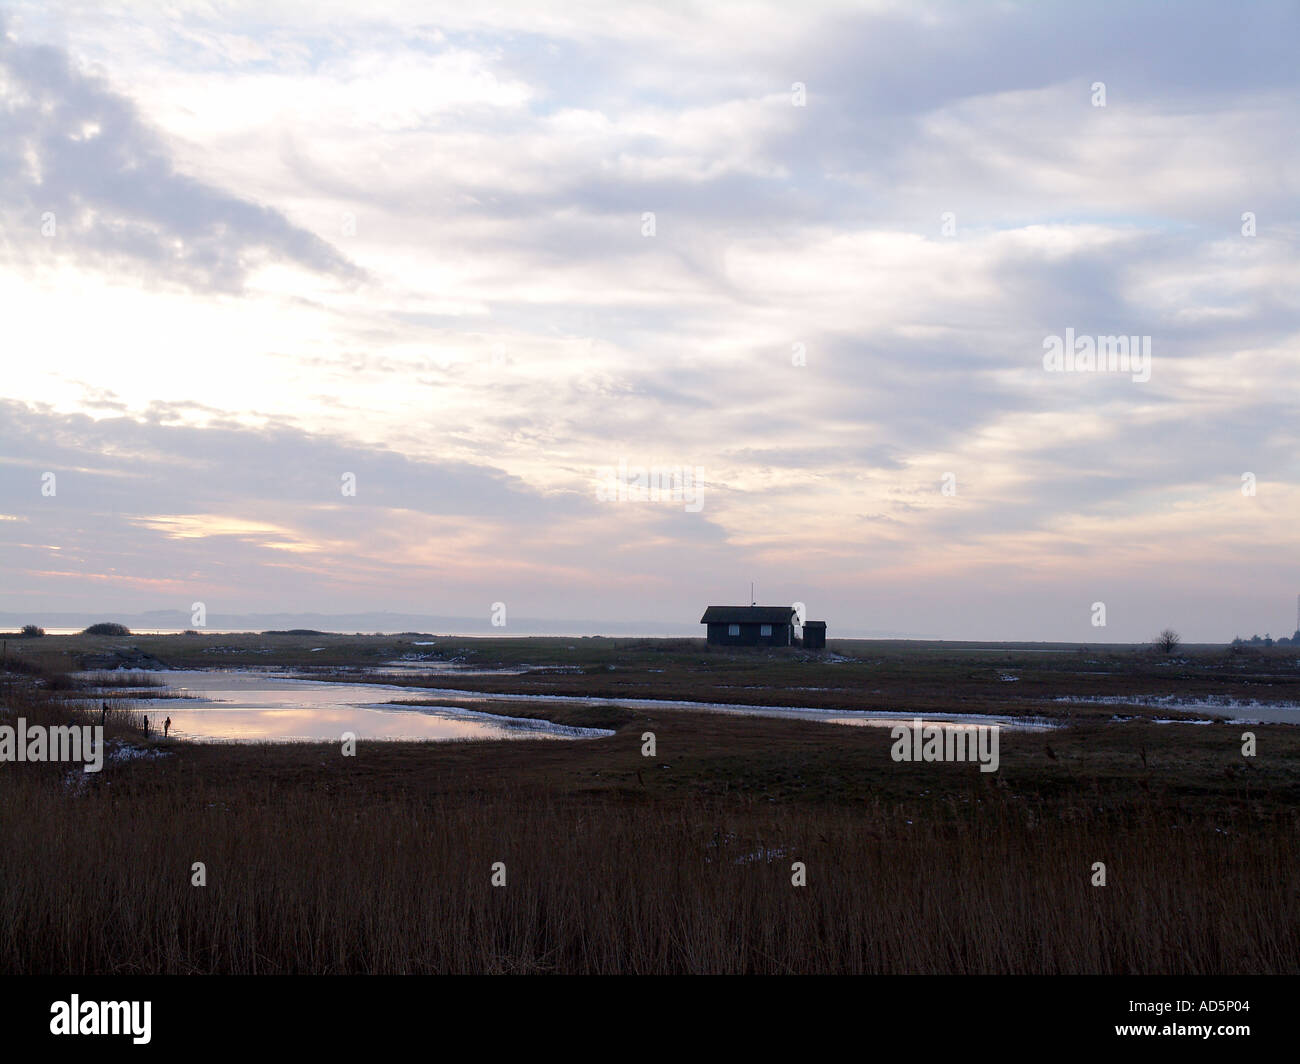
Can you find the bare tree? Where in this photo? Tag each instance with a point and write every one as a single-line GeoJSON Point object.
{"type": "Point", "coordinates": [1168, 640]}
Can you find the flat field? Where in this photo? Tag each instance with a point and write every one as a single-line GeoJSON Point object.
{"type": "Point", "coordinates": [684, 861]}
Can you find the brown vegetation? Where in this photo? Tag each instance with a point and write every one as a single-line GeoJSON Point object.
{"type": "Point", "coordinates": [382, 862]}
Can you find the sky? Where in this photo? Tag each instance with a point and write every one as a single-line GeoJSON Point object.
{"type": "Point", "coordinates": [328, 307]}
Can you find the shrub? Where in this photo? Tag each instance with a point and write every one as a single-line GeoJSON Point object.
{"type": "Point", "coordinates": [107, 628]}
{"type": "Point", "coordinates": [30, 631]}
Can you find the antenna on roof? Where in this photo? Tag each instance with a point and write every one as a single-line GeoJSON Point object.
{"type": "Point", "coordinates": [754, 602]}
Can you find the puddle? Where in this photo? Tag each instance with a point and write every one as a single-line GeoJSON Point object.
{"type": "Point", "coordinates": [1230, 710]}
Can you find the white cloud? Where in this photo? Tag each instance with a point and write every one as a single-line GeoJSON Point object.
{"type": "Point", "coordinates": [231, 175]}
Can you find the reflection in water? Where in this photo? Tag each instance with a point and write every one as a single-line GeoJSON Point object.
{"type": "Point", "coordinates": [251, 706]}
{"type": "Point", "coordinates": [1233, 710]}
{"type": "Point", "coordinates": [864, 718]}
{"type": "Point", "coordinates": [254, 707]}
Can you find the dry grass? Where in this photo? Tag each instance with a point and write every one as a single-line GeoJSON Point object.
{"type": "Point", "coordinates": [315, 864]}
{"type": "Point", "coordinates": [325, 883]}
{"type": "Point", "coordinates": [130, 679]}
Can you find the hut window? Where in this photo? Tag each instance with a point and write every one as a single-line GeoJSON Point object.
{"type": "Point", "coordinates": [765, 629]}
{"type": "Point", "coordinates": [733, 629]}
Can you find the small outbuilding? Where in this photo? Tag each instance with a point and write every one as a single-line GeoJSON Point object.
{"type": "Point", "coordinates": [814, 635]}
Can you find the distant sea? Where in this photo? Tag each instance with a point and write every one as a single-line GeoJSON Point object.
{"type": "Point", "coordinates": [493, 634]}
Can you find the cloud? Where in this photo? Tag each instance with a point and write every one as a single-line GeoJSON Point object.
{"type": "Point", "coordinates": [77, 156]}
{"type": "Point", "coordinates": [150, 506]}
{"type": "Point", "coordinates": [517, 331]}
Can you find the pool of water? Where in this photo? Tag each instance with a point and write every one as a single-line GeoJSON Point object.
{"type": "Point", "coordinates": [247, 706]}
{"type": "Point", "coordinates": [873, 718]}
{"type": "Point", "coordinates": [1229, 710]}
{"type": "Point", "coordinates": [250, 705]}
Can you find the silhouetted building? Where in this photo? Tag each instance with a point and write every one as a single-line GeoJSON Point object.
{"type": "Point", "coordinates": [814, 635]}
{"type": "Point", "coordinates": [759, 626]}
{"type": "Point", "coordinates": [750, 626]}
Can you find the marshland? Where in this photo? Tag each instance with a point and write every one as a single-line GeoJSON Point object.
{"type": "Point", "coordinates": [384, 859]}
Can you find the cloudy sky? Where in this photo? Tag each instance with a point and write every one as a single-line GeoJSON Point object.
{"type": "Point", "coordinates": [811, 254]}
